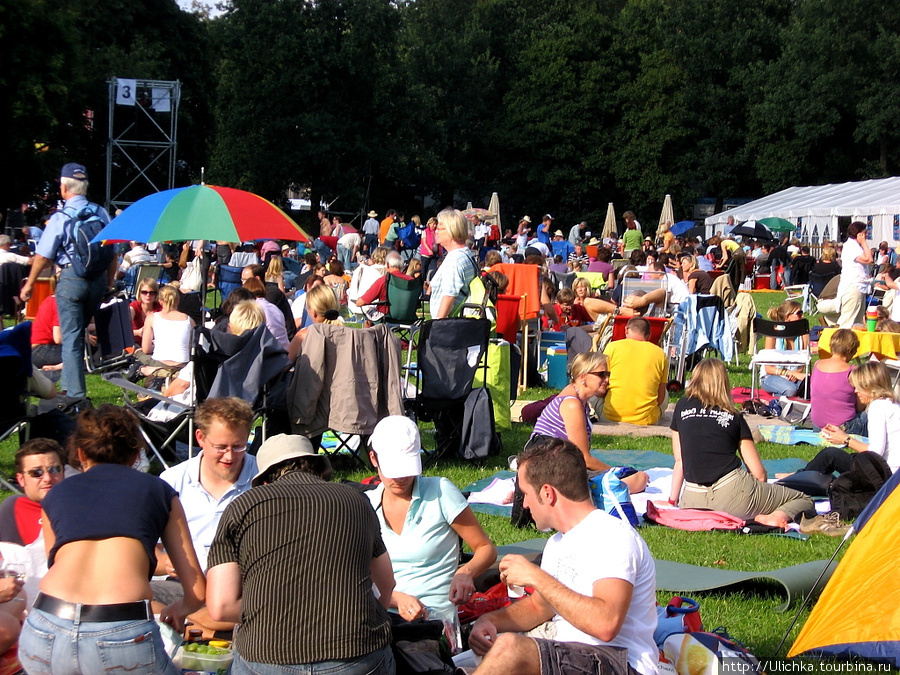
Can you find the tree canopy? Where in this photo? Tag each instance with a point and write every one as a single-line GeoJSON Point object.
{"type": "Point", "coordinates": [558, 105]}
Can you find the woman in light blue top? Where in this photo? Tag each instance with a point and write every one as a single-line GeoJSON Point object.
{"type": "Point", "coordinates": [422, 519]}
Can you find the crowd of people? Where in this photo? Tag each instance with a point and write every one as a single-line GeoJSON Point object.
{"type": "Point", "coordinates": [316, 572]}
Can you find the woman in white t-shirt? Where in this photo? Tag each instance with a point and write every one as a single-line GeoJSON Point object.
{"type": "Point", "coordinates": [854, 285]}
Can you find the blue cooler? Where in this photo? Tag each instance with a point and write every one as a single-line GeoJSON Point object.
{"type": "Point", "coordinates": [550, 340]}
{"type": "Point", "coordinates": [557, 378]}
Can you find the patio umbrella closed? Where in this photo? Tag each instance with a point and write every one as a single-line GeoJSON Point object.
{"type": "Point", "coordinates": [609, 225]}
{"type": "Point", "coordinates": [668, 213]}
{"type": "Point", "coordinates": [494, 207]}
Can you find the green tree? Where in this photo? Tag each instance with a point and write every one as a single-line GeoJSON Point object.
{"type": "Point", "coordinates": [825, 113]}
{"type": "Point", "coordinates": [303, 95]}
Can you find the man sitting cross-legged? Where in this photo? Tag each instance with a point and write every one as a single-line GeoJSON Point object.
{"type": "Point", "coordinates": [596, 582]}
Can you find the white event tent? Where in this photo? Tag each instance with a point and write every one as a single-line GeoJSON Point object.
{"type": "Point", "coordinates": [816, 209]}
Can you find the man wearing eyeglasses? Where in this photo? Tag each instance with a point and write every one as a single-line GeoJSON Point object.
{"type": "Point", "coordinates": [39, 467]}
{"type": "Point", "coordinates": [208, 482]}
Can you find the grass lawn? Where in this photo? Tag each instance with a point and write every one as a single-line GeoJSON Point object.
{"type": "Point", "coordinates": [748, 615]}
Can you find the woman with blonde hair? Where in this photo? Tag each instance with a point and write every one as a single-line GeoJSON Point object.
{"type": "Point", "coordinates": [710, 438]}
{"type": "Point", "coordinates": [429, 250]}
{"type": "Point", "coordinates": [567, 415]}
{"type": "Point", "coordinates": [696, 279]}
{"type": "Point", "coordinates": [776, 379]}
{"type": "Point", "coordinates": [872, 383]}
{"type": "Point", "coordinates": [451, 282]}
{"type": "Point", "coordinates": [146, 303]}
{"type": "Point", "coordinates": [165, 339]}
{"type": "Point", "coordinates": [831, 395]}
{"type": "Point", "coordinates": [323, 307]}
{"type": "Point", "coordinates": [275, 272]}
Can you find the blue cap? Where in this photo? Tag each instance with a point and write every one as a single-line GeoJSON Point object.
{"type": "Point", "coordinates": [73, 170]}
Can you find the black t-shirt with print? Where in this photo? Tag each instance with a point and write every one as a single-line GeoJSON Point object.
{"type": "Point", "coordinates": [710, 439]}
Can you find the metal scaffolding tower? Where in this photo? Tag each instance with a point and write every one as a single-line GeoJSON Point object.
{"type": "Point", "coordinates": [143, 132]}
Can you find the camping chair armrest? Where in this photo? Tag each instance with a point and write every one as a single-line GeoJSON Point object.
{"type": "Point", "coordinates": [119, 381]}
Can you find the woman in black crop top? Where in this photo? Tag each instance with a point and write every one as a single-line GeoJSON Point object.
{"type": "Point", "coordinates": [709, 440]}
{"type": "Point", "coordinates": [100, 528]}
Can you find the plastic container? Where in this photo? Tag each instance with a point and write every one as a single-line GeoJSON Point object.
{"type": "Point", "coordinates": [556, 368]}
{"type": "Point", "coordinates": [203, 664]}
{"type": "Point", "coordinates": [550, 339]}
{"type": "Point", "coordinates": [762, 282]}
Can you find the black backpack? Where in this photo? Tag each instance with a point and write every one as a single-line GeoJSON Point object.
{"type": "Point", "coordinates": [88, 260]}
{"type": "Point", "coordinates": [479, 435]}
{"type": "Point", "coordinates": [851, 492]}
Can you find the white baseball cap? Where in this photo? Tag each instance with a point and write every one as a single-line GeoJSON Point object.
{"type": "Point", "coordinates": [397, 443]}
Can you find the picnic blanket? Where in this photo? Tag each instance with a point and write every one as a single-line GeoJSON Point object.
{"type": "Point", "coordinates": [786, 435]}
{"type": "Point", "coordinates": [796, 580]}
{"type": "Point", "coordinates": [487, 494]}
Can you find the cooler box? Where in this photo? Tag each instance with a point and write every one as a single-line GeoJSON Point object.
{"type": "Point", "coordinates": [550, 340]}
{"type": "Point", "coordinates": [761, 282]}
{"type": "Point", "coordinates": [557, 378]}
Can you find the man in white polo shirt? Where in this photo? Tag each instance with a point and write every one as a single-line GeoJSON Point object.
{"type": "Point", "coordinates": [209, 482]}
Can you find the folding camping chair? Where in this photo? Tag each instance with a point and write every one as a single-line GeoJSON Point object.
{"type": "Point", "coordinates": [631, 285]}
{"type": "Point", "coordinates": [112, 325]}
{"type": "Point", "coordinates": [227, 279]}
{"type": "Point", "coordinates": [15, 364]}
{"type": "Point", "coordinates": [137, 273]}
{"type": "Point", "coordinates": [345, 380]}
{"type": "Point", "coordinates": [450, 352]}
{"type": "Point", "coordinates": [700, 323]}
{"type": "Point", "coordinates": [784, 358]}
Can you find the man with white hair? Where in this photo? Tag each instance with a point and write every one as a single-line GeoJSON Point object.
{"type": "Point", "coordinates": [7, 256]}
{"type": "Point", "coordinates": [76, 297]}
{"type": "Point", "coordinates": [377, 292]}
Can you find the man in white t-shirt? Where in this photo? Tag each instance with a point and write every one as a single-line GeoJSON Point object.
{"type": "Point", "coordinates": [854, 286]}
{"type": "Point", "coordinates": [596, 582]}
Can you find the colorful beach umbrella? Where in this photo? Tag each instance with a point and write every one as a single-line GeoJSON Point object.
{"type": "Point", "coordinates": [202, 212]}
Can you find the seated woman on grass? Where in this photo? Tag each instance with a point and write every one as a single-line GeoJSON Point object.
{"type": "Point", "coordinates": [872, 384]}
{"type": "Point", "coordinates": [710, 438]}
{"type": "Point", "coordinates": [831, 395]}
{"type": "Point", "coordinates": [567, 415]}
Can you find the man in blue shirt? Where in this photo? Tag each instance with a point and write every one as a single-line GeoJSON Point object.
{"type": "Point", "coordinates": [76, 298]}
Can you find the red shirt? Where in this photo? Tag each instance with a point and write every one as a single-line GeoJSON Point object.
{"type": "Point", "coordinates": [44, 322]}
{"type": "Point", "coordinates": [377, 292]}
{"type": "Point", "coordinates": [578, 317]}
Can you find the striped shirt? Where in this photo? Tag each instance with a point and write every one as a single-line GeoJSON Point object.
{"type": "Point", "coordinates": [550, 422]}
{"type": "Point", "coordinates": [304, 547]}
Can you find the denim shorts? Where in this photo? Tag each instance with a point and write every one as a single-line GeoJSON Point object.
{"type": "Point", "coordinates": [577, 658]}
{"type": "Point", "coordinates": [49, 644]}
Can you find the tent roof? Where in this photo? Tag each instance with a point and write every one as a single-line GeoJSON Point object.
{"type": "Point", "coordinates": [861, 198]}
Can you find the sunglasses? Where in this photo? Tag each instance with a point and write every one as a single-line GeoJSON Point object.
{"type": "Point", "coordinates": [799, 313]}
{"type": "Point", "coordinates": [148, 292]}
{"type": "Point", "coordinates": [602, 374]}
{"type": "Point", "coordinates": [39, 472]}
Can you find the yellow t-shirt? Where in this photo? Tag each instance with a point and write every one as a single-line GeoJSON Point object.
{"type": "Point", "coordinates": [637, 368]}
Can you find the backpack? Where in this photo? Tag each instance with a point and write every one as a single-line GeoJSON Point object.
{"type": "Point", "coordinates": [409, 236]}
{"type": "Point", "coordinates": [88, 260]}
{"type": "Point", "coordinates": [479, 436]}
{"type": "Point", "coordinates": [853, 490]}
{"type": "Point", "coordinates": [610, 494]}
